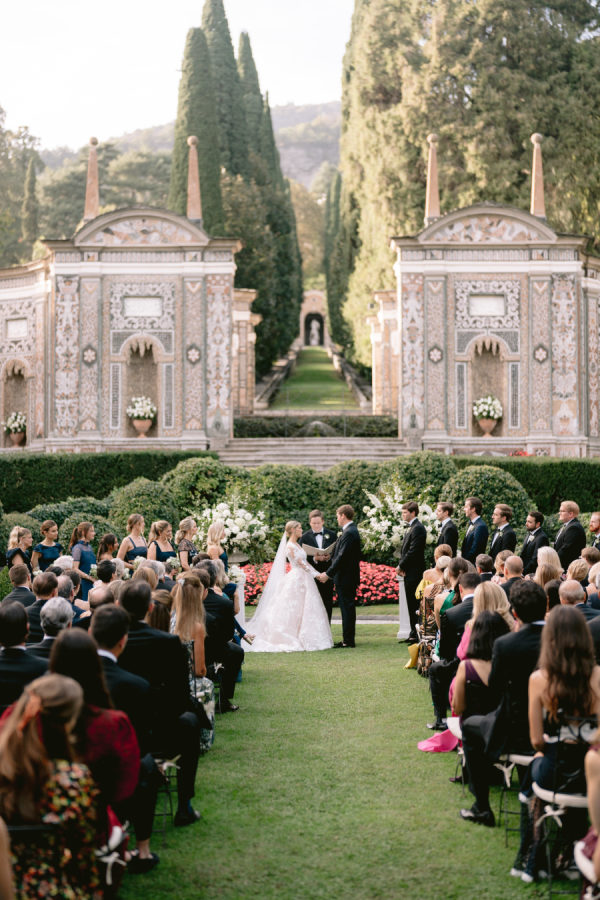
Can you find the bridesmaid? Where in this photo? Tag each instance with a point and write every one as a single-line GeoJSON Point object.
{"type": "Point", "coordinates": [134, 544]}
{"type": "Point", "coordinates": [19, 542]}
{"type": "Point", "coordinates": [48, 550]}
{"type": "Point", "coordinates": [107, 547]}
{"type": "Point", "coordinates": [160, 546]}
{"type": "Point", "coordinates": [185, 547]}
{"type": "Point", "coordinates": [214, 538]}
{"type": "Point", "coordinates": [83, 555]}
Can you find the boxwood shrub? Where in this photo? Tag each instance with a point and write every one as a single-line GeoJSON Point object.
{"type": "Point", "coordinates": [152, 499]}
{"type": "Point", "coordinates": [200, 482]}
{"type": "Point", "coordinates": [492, 486]}
{"type": "Point", "coordinates": [83, 506]}
{"type": "Point", "coordinates": [346, 483]}
{"type": "Point", "coordinates": [419, 471]}
{"type": "Point", "coordinates": [290, 426]}
{"type": "Point", "coordinates": [284, 493]}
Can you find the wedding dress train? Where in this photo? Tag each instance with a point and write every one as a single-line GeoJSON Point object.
{"type": "Point", "coordinates": [290, 615]}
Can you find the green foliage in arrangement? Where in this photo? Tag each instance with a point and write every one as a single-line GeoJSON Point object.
{"type": "Point", "coordinates": [153, 499]}
{"type": "Point", "coordinates": [72, 506]}
{"type": "Point", "coordinates": [100, 523]}
{"type": "Point", "coordinates": [8, 522]}
{"type": "Point", "coordinates": [283, 493]}
{"type": "Point", "coordinates": [5, 583]}
{"type": "Point", "coordinates": [492, 486]}
{"type": "Point", "coordinates": [419, 471]}
{"type": "Point", "coordinates": [347, 483]}
{"type": "Point", "coordinates": [289, 426]}
{"type": "Point", "coordinates": [199, 482]}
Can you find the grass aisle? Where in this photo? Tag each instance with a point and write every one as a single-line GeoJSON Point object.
{"type": "Point", "coordinates": [316, 789]}
{"type": "Point", "coordinates": [314, 385]}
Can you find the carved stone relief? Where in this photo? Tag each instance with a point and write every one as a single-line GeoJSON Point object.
{"type": "Point", "coordinates": [413, 384]}
{"type": "Point", "coordinates": [144, 231]}
{"type": "Point", "coordinates": [66, 356]}
{"type": "Point", "coordinates": [540, 412]}
{"type": "Point", "coordinates": [482, 229]}
{"type": "Point", "coordinates": [218, 371]}
{"type": "Point", "coordinates": [89, 395]}
{"type": "Point", "coordinates": [193, 392]}
{"type": "Point", "coordinates": [564, 355]}
{"type": "Point", "coordinates": [436, 370]}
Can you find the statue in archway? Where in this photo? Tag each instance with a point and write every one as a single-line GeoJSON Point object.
{"type": "Point", "coordinates": [315, 333]}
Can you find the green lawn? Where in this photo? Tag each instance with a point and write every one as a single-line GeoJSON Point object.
{"type": "Point", "coordinates": [368, 612]}
{"type": "Point", "coordinates": [314, 385]}
{"type": "Point", "coordinates": [316, 789]}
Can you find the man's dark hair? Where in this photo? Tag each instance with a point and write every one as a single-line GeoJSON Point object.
{"type": "Point", "coordinates": [475, 503]}
{"type": "Point", "coordinates": [106, 569]}
{"type": "Point", "coordinates": [55, 570]}
{"type": "Point", "coordinates": [18, 575]}
{"type": "Point", "coordinates": [203, 577]}
{"type": "Point", "coordinates": [208, 566]}
{"type": "Point", "coordinates": [65, 587]}
{"type": "Point", "coordinates": [538, 516]}
{"type": "Point", "coordinates": [484, 562]}
{"type": "Point", "coordinates": [109, 624]}
{"type": "Point", "coordinates": [505, 511]}
{"type": "Point", "coordinates": [411, 506]}
{"type": "Point", "coordinates": [74, 576]}
{"type": "Point", "coordinates": [447, 506]}
{"type": "Point", "coordinates": [469, 581]}
{"type": "Point", "coordinates": [100, 597]}
{"type": "Point", "coordinates": [135, 598]}
{"type": "Point", "coordinates": [528, 601]}
{"type": "Point", "coordinates": [45, 584]}
{"type": "Point", "coordinates": [13, 624]}
{"type": "Point", "coordinates": [200, 557]}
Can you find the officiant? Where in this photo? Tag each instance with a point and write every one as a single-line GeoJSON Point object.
{"type": "Point", "coordinates": [321, 537]}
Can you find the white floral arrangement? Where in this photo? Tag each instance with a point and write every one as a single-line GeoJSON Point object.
{"type": "Point", "coordinates": [16, 423]}
{"type": "Point", "coordinates": [236, 575]}
{"type": "Point", "coordinates": [245, 532]}
{"type": "Point", "coordinates": [93, 571]}
{"type": "Point", "coordinates": [384, 528]}
{"type": "Point", "coordinates": [137, 562]}
{"type": "Point", "coordinates": [174, 563]}
{"type": "Point", "coordinates": [487, 408]}
{"type": "Point", "coordinates": [141, 408]}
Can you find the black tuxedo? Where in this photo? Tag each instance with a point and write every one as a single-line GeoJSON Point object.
{"type": "Point", "coordinates": [502, 540]}
{"type": "Point", "coordinates": [36, 633]}
{"type": "Point", "coordinates": [441, 673]}
{"type": "Point", "coordinates": [18, 668]}
{"type": "Point", "coordinates": [132, 694]}
{"type": "Point", "coordinates": [448, 535]}
{"type": "Point", "coordinates": [529, 551]}
{"type": "Point", "coordinates": [588, 612]}
{"type": "Point", "coordinates": [344, 571]}
{"type": "Point", "coordinates": [167, 584]}
{"type": "Point", "coordinates": [412, 563]}
{"type": "Point", "coordinates": [507, 585]}
{"type": "Point", "coordinates": [325, 588]}
{"type": "Point", "coordinates": [22, 594]}
{"type": "Point", "coordinates": [43, 649]}
{"type": "Point", "coordinates": [569, 542]}
{"type": "Point", "coordinates": [594, 626]}
{"type": "Point", "coordinates": [475, 540]}
{"type": "Point", "coordinates": [596, 542]}
{"type": "Point", "coordinates": [219, 644]}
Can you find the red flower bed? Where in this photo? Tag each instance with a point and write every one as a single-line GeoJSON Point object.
{"type": "Point", "coordinates": [378, 584]}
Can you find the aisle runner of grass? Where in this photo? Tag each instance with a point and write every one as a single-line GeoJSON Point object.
{"type": "Point", "coordinates": [314, 385]}
{"type": "Point", "coordinates": [316, 789]}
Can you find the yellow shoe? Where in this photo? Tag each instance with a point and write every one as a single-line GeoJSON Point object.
{"type": "Point", "coordinates": [413, 652]}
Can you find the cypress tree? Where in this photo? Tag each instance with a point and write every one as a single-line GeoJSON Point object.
{"type": "Point", "coordinates": [30, 210]}
{"type": "Point", "coordinates": [228, 91]}
{"type": "Point", "coordinates": [196, 114]}
{"type": "Point", "coordinates": [252, 97]}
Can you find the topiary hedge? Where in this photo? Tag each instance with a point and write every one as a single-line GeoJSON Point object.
{"type": "Point", "coordinates": [152, 499]}
{"type": "Point", "coordinates": [100, 523]}
{"type": "Point", "coordinates": [82, 506]}
{"type": "Point", "coordinates": [8, 522]}
{"type": "Point", "coordinates": [200, 482]}
{"type": "Point", "coordinates": [5, 583]}
{"type": "Point", "coordinates": [492, 486]}
{"type": "Point", "coordinates": [27, 479]}
{"type": "Point", "coordinates": [283, 493]}
{"type": "Point", "coordinates": [346, 483]}
{"type": "Point", "coordinates": [419, 471]}
{"type": "Point", "coordinates": [290, 426]}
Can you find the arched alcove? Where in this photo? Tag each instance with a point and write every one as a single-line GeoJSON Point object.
{"type": "Point", "coordinates": [314, 330]}
{"type": "Point", "coordinates": [15, 393]}
{"type": "Point", "coordinates": [488, 375]}
{"type": "Point", "coordinates": [141, 379]}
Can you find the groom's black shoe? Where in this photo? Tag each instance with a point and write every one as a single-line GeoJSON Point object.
{"type": "Point", "coordinates": [342, 644]}
{"type": "Point", "coordinates": [438, 725]}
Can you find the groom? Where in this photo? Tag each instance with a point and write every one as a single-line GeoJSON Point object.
{"type": "Point", "coordinates": [344, 571]}
{"type": "Point", "coordinates": [318, 536]}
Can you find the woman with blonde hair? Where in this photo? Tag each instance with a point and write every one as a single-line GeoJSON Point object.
{"type": "Point", "coordinates": [145, 573]}
{"type": "Point", "coordinates": [19, 542]}
{"type": "Point", "coordinates": [160, 546]}
{"type": "Point", "coordinates": [578, 571]}
{"type": "Point", "coordinates": [549, 556]}
{"type": "Point", "coordinates": [501, 557]}
{"type": "Point", "coordinates": [544, 574]}
{"type": "Point", "coordinates": [491, 597]}
{"type": "Point", "coordinates": [214, 540]}
{"type": "Point", "coordinates": [186, 549]}
{"type": "Point", "coordinates": [134, 544]}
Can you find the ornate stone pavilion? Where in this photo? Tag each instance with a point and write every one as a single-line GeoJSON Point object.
{"type": "Point", "coordinates": [490, 300]}
{"type": "Point", "coordinates": [138, 302]}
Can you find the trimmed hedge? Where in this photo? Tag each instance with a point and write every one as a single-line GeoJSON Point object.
{"type": "Point", "coordinates": [82, 506]}
{"type": "Point", "coordinates": [283, 493]}
{"type": "Point", "coordinates": [419, 471]}
{"type": "Point", "coordinates": [492, 486]}
{"type": "Point", "coordinates": [27, 479]}
{"type": "Point", "coordinates": [8, 522]}
{"type": "Point", "coordinates": [346, 483]}
{"type": "Point", "coordinates": [200, 482]}
{"type": "Point", "coordinates": [150, 498]}
{"type": "Point", "coordinates": [290, 426]}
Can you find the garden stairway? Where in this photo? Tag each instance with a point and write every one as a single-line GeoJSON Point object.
{"type": "Point", "coordinates": [318, 453]}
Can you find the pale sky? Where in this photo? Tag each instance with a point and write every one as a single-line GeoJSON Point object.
{"type": "Point", "coordinates": [70, 69]}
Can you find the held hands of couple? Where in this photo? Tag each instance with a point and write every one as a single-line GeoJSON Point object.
{"type": "Point", "coordinates": [323, 577]}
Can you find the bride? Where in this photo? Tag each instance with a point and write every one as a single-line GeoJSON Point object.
{"type": "Point", "coordinates": [290, 615]}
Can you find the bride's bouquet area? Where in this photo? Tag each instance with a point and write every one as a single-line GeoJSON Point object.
{"type": "Point", "coordinates": [382, 531]}
{"type": "Point", "coordinates": [246, 532]}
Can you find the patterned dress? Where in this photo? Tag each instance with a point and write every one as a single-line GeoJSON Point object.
{"type": "Point", "coordinates": [61, 863]}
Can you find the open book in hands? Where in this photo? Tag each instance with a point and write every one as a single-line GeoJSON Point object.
{"type": "Point", "coordinates": [315, 551]}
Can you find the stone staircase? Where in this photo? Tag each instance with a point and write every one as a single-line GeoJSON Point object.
{"type": "Point", "coordinates": [318, 453]}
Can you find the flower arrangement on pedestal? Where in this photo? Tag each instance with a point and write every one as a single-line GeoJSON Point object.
{"type": "Point", "coordinates": [384, 529]}
{"type": "Point", "coordinates": [15, 426]}
{"type": "Point", "coordinates": [142, 412]}
{"type": "Point", "coordinates": [487, 410]}
{"type": "Point", "coordinates": [246, 533]}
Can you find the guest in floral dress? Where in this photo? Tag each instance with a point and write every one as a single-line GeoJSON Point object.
{"type": "Point", "coordinates": [40, 784]}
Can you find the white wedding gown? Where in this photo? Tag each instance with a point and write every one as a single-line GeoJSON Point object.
{"type": "Point", "coordinates": [290, 615]}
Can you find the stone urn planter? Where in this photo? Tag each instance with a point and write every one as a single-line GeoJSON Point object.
{"type": "Point", "coordinates": [487, 426]}
{"type": "Point", "coordinates": [142, 426]}
{"type": "Point", "coordinates": [17, 438]}
{"type": "Point", "coordinates": [238, 558]}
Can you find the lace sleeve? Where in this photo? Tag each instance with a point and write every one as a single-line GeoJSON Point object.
{"type": "Point", "coordinates": [296, 558]}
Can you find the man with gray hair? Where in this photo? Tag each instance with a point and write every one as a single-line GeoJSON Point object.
{"type": "Point", "coordinates": [66, 590]}
{"type": "Point", "coordinates": [56, 615]}
{"type": "Point", "coordinates": [571, 593]}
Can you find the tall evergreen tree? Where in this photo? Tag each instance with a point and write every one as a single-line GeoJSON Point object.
{"type": "Point", "coordinates": [228, 91]}
{"type": "Point", "coordinates": [29, 212]}
{"type": "Point", "coordinates": [196, 114]}
{"type": "Point", "coordinates": [252, 97]}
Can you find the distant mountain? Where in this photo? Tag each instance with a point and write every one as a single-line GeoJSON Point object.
{"type": "Point", "coordinates": [307, 136]}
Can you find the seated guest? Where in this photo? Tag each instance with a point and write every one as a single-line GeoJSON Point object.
{"type": "Point", "coordinates": [20, 579]}
{"type": "Point", "coordinates": [100, 596]}
{"type": "Point", "coordinates": [17, 666]}
{"type": "Point", "coordinates": [430, 576]}
{"type": "Point", "coordinates": [447, 599]}
{"type": "Point", "coordinates": [592, 588]}
{"type": "Point", "coordinates": [56, 615]}
{"type": "Point", "coordinates": [571, 593]}
{"type": "Point", "coordinates": [45, 586]}
{"type": "Point", "coordinates": [433, 591]}
{"type": "Point", "coordinates": [106, 571]}
{"type": "Point", "coordinates": [484, 566]}
{"type": "Point", "coordinates": [7, 891]}
{"type": "Point", "coordinates": [159, 613]}
{"type": "Point", "coordinates": [571, 537]}
{"type": "Point", "coordinates": [549, 556]}
{"type": "Point", "coordinates": [513, 572]}
{"type": "Point", "coordinates": [592, 777]}
{"type": "Point", "coordinates": [499, 577]}
{"type": "Point", "coordinates": [144, 573]}
{"type": "Point", "coordinates": [551, 589]}
{"type": "Point", "coordinates": [546, 573]}
{"type": "Point", "coordinates": [578, 571]}
{"type": "Point", "coordinates": [63, 563]}
{"type": "Point", "coordinates": [535, 539]}
{"type": "Point", "coordinates": [19, 548]}
{"type": "Point", "coordinates": [591, 555]}
{"type": "Point", "coordinates": [452, 624]}
{"type": "Point", "coordinates": [171, 572]}
{"type": "Point", "coordinates": [488, 596]}
{"type": "Point", "coordinates": [161, 659]}
{"type": "Point", "coordinates": [471, 694]}
{"type": "Point", "coordinates": [41, 782]}
{"type": "Point", "coordinates": [159, 570]}
{"type": "Point", "coordinates": [48, 550]}
{"type": "Point", "coordinates": [66, 590]}
{"type": "Point", "coordinates": [76, 579]}
{"type": "Point", "coordinates": [220, 646]}
{"type": "Point", "coordinates": [514, 658]}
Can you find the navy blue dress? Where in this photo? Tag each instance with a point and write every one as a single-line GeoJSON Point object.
{"type": "Point", "coordinates": [135, 551]}
{"type": "Point", "coordinates": [224, 560]}
{"type": "Point", "coordinates": [48, 555]}
{"type": "Point", "coordinates": [163, 555]}
{"type": "Point", "coordinates": [83, 554]}
{"type": "Point", "coordinates": [24, 554]}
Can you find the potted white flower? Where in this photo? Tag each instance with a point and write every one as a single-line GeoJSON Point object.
{"type": "Point", "coordinates": [487, 410]}
{"type": "Point", "coordinates": [142, 413]}
{"type": "Point", "coordinates": [15, 427]}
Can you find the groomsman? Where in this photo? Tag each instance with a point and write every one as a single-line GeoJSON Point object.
{"type": "Point", "coordinates": [504, 537]}
{"type": "Point", "coordinates": [412, 561]}
{"type": "Point", "coordinates": [319, 536]}
{"type": "Point", "coordinates": [535, 539]}
{"type": "Point", "coordinates": [448, 530]}
{"type": "Point", "coordinates": [476, 536]}
{"type": "Point", "coordinates": [571, 538]}
{"type": "Point", "coordinates": [595, 529]}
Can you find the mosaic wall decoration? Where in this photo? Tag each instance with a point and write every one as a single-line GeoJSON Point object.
{"type": "Point", "coordinates": [89, 395]}
{"type": "Point", "coordinates": [564, 355]}
{"type": "Point", "coordinates": [413, 384]}
{"type": "Point", "coordinates": [592, 364]}
{"type": "Point", "coordinates": [219, 420]}
{"type": "Point", "coordinates": [489, 306]}
{"type": "Point", "coordinates": [142, 230]}
{"type": "Point", "coordinates": [66, 356]}
{"type": "Point", "coordinates": [193, 389]}
{"type": "Point", "coordinates": [540, 409]}
{"type": "Point", "coordinates": [484, 229]}
{"type": "Point", "coordinates": [436, 370]}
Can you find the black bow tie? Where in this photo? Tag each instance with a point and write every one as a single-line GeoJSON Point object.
{"type": "Point", "coordinates": [317, 533]}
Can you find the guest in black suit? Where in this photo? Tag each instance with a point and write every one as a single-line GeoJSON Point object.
{"type": "Point", "coordinates": [571, 593]}
{"type": "Point", "coordinates": [344, 571]}
{"type": "Point", "coordinates": [485, 567]}
{"type": "Point", "coordinates": [17, 666]}
{"type": "Point", "coordinates": [56, 615]}
{"type": "Point", "coordinates": [45, 586]}
{"type": "Point", "coordinates": [319, 536]}
{"type": "Point", "coordinates": [219, 645]}
{"type": "Point", "coordinates": [162, 660]}
{"type": "Point", "coordinates": [513, 573]}
{"type": "Point", "coordinates": [448, 530]}
{"type": "Point", "coordinates": [411, 564]}
{"type": "Point", "coordinates": [506, 729]}
{"type": "Point", "coordinates": [535, 539]}
{"type": "Point", "coordinates": [452, 626]}
{"type": "Point", "coordinates": [571, 538]}
{"type": "Point", "coordinates": [504, 537]}
{"type": "Point", "coordinates": [594, 626]}
{"type": "Point", "coordinates": [595, 529]}
{"type": "Point", "coordinates": [476, 536]}
{"type": "Point", "coordinates": [21, 582]}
